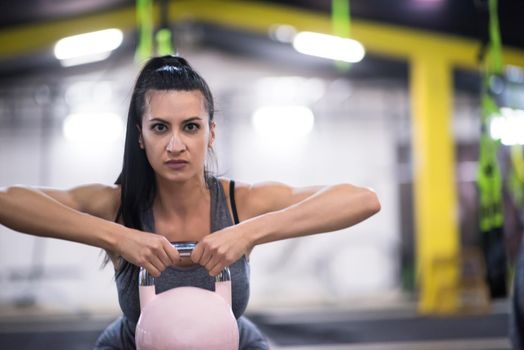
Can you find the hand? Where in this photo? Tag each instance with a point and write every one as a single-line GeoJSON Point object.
{"type": "Point", "coordinates": [150, 251]}
{"type": "Point", "coordinates": [221, 249]}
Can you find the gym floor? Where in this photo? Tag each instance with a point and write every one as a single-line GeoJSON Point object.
{"type": "Point", "coordinates": [394, 329]}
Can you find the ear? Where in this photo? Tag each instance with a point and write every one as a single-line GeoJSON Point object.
{"type": "Point", "coordinates": [211, 141]}
{"type": "Point", "coordinates": [140, 139]}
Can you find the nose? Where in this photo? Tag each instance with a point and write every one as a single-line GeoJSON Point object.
{"type": "Point", "coordinates": [175, 144]}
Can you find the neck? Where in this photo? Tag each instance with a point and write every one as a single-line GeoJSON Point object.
{"type": "Point", "coordinates": [180, 198]}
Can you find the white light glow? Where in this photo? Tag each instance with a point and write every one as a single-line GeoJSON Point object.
{"type": "Point", "coordinates": [282, 32]}
{"type": "Point", "coordinates": [283, 122]}
{"type": "Point", "coordinates": [88, 47]}
{"type": "Point", "coordinates": [93, 128]}
{"type": "Point", "coordinates": [509, 127]}
{"type": "Point", "coordinates": [329, 46]}
{"type": "Point", "coordinates": [292, 90]}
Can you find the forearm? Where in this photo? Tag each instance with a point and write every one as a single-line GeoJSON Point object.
{"type": "Point", "coordinates": [33, 212]}
{"type": "Point", "coordinates": [333, 208]}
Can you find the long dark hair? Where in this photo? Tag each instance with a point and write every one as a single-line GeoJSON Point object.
{"type": "Point", "coordinates": [137, 178]}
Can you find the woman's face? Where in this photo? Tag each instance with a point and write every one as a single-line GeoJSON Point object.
{"type": "Point", "coordinates": [175, 133]}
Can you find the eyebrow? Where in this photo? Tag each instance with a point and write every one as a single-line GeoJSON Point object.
{"type": "Point", "coordinates": [156, 119]}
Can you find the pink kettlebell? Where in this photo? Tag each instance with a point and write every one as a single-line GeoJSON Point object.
{"type": "Point", "coordinates": [186, 318]}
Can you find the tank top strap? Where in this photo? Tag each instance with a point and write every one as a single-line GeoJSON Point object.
{"type": "Point", "coordinates": [220, 217]}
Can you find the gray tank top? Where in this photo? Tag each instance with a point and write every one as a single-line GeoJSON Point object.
{"type": "Point", "coordinates": [196, 276]}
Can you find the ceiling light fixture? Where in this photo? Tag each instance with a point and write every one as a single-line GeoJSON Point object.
{"type": "Point", "coordinates": [329, 46]}
{"type": "Point", "coordinates": [88, 47]}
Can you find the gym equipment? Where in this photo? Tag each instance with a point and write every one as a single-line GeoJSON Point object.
{"type": "Point", "coordinates": [489, 178]}
{"type": "Point", "coordinates": [186, 318]}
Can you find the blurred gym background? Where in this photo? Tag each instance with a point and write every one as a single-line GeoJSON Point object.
{"type": "Point", "coordinates": [403, 107]}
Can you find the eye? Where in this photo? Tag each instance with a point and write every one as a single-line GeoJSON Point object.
{"type": "Point", "coordinates": [192, 127]}
{"type": "Point", "coordinates": [159, 127]}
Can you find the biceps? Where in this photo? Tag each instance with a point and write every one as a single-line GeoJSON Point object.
{"type": "Point", "coordinates": [277, 196]}
{"type": "Point", "coordinates": [82, 198]}
{"type": "Point", "coordinates": [64, 197]}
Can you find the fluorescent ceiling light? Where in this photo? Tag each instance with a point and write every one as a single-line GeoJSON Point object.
{"type": "Point", "coordinates": [329, 46]}
{"type": "Point", "coordinates": [93, 127]}
{"type": "Point", "coordinates": [509, 127]}
{"type": "Point", "coordinates": [88, 47]}
{"type": "Point", "coordinates": [289, 122]}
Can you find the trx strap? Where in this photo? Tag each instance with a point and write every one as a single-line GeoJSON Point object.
{"type": "Point", "coordinates": [489, 179]}
{"type": "Point", "coordinates": [516, 176]}
{"type": "Point", "coordinates": [340, 24]}
{"type": "Point", "coordinates": [146, 32]}
{"type": "Point", "coordinates": [164, 42]}
{"type": "Point", "coordinates": [144, 17]}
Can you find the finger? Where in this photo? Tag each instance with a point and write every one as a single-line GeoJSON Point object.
{"type": "Point", "coordinates": [206, 257]}
{"type": "Point", "coordinates": [172, 253]}
{"type": "Point", "coordinates": [216, 269]}
{"type": "Point", "coordinates": [196, 254]}
{"type": "Point", "coordinates": [163, 257]}
{"type": "Point", "coordinates": [151, 269]}
{"type": "Point", "coordinates": [157, 263]}
{"type": "Point", "coordinates": [210, 251]}
{"type": "Point", "coordinates": [212, 262]}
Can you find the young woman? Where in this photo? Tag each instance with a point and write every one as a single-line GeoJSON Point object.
{"type": "Point", "coordinates": [164, 188]}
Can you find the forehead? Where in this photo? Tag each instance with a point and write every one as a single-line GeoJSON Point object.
{"type": "Point", "coordinates": [174, 103]}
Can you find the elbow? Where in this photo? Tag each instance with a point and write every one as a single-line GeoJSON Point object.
{"type": "Point", "coordinates": [373, 202]}
{"type": "Point", "coordinates": [11, 190]}
{"type": "Point", "coordinates": [370, 201]}
{"type": "Point", "coordinates": [7, 191]}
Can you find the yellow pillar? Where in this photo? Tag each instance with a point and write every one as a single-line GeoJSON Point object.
{"type": "Point", "coordinates": [436, 218]}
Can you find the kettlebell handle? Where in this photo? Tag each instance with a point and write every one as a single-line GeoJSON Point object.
{"type": "Point", "coordinates": [146, 282]}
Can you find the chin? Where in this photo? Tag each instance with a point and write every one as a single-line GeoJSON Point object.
{"type": "Point", "coordinates": [179, 177]}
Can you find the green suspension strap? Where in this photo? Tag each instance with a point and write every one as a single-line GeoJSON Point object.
{"type": "Point", "coordinates": [144, 17]}
{"type": "Point", "coordinates": [516, 176]}
{"type": "Point", "coordinates": [145, 24]}
{"type": "Point", "coordinates": [340, 21]}
{"type": "Point", "coordinates": [164, 40]}
{"type": "Point", "coordinates": [489, 179]}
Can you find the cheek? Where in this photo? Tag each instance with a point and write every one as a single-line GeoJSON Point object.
{"type": "Point", "coordinates": [152, 148]}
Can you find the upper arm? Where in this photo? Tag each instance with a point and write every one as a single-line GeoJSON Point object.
{"type": "Point", "coordinates": [257, 199]}
{"type": "Point", "coordinates": [94, 199]}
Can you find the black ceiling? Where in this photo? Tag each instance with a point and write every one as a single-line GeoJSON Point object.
{"type": "Point", "coordinates": [460, 17]}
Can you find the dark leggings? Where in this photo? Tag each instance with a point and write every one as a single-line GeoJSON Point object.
{"type": "Point", "coordinates": [118, 336]}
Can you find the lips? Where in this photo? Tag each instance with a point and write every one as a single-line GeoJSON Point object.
{"type": "Point", "coordinates": [176, 164]}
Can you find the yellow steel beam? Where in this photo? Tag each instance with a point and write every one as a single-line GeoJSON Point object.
{"type": "Point", "coordinates": [35, 38]}
{"type": "Point", "coordinates": [437, 238]}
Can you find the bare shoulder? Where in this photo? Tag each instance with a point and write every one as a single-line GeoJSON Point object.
{"type": "Point", "coordinates": [263, 197]}
{"type": "Point", "coordinates": [95, 199]}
